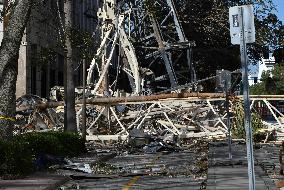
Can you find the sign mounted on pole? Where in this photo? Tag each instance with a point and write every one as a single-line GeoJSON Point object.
{"type": "Point", "coordinates": [248, 23]}
{"type": "Point", "coordinates": [242, 32]}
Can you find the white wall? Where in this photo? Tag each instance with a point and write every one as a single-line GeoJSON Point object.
{"type": "Point", "coordinates": [257, 70]}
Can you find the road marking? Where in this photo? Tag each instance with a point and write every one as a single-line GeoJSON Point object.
{"type": "Point", "coordinates": [131, 182]}
{"type": "Point", "coordinates": [134, 179]}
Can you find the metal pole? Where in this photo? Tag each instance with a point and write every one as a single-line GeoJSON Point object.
{"type": "Point", "coordinates": [228, 119]}
{"type": "Point", "coordinates": [247, 119]}
{"type": "Point", "coordinates": [84, 102]}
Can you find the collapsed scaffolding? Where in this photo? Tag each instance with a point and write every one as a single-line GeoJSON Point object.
{"type": "Point", "coordinates": [151, 50]}
{"type": "Point", "coordinates": [184, 115]}
{"type": "Point", "coordinates": [143, 55]}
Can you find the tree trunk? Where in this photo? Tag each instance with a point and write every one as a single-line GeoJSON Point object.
{"type": "Point", "coordinates": [9, 54]}
{"type": "Point", "coordinates": [70, 113]}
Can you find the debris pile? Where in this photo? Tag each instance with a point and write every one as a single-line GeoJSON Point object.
{"type": "Point", "coordinates": [189, 164]}
{"type": "Point", "coordinates": [36, 119]}
{"type": "Point", "coordinates": [112, 119]}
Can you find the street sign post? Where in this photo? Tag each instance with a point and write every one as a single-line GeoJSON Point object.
{"type": "Point", "coordinates": [242, 31]}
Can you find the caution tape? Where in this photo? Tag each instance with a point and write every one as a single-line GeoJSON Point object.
{"type": "Point", "coordinates": [7, 118]}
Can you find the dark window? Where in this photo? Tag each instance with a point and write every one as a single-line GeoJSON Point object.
{"type": "Point", "coordinates": [60, 61]}
{"type": "Point", "coordinates": [52, 78]}
{"type": "Point", "coordinates": [33, 68]}
{"type": "Point", "coordinates": [53, 5]}
{"type": "Point", "coordinates": [34, 50]}
{"type": "Point", "coordinates": [61, 6]}
{"type": "Point", "coordinates": [80, 75]}
{"type": "Point", "coordinates": [33, 79]}
{"type": "Point", "coordinates": [60, 78]}
{"type": "Point", "coordinates": [43, 83]}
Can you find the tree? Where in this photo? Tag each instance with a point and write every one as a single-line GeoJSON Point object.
{"type": "Point", "coordinates": [69, 87]}
{"type": "Point", "coordinates": [272, 82]}
{"type": "Point", "coordinates": [206, 22]}
{"type": "Point", "coordinates": [9, 53]}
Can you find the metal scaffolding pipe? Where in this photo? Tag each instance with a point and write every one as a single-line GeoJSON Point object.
{"type": "Point", "coordinates": [262, 97]}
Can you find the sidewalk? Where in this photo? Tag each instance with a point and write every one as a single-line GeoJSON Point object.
{"type": "Point", "coordinates": [226, 178]}
{"type": "Point", "coordinates": [36, 181]}
{"type": "Point", "coordinates": [222, 175]}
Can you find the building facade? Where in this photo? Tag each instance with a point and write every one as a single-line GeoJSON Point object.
{"type": "Point", "coordinates": [41, 58]}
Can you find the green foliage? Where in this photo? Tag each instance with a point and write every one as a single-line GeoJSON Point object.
{"type": "Point", "coordinates": [238, 129]}
{"type": "Point", "coordinates": [206, 23]}
{"type": "Point", "coordinates": [83, 43]}
{"type": "Point", "coordinates": [41, 143]}
{"type": "Point", "coordinates": [272, 82]}
{"type": "Point", "coordinates": [72, 143]}
{"type": "Point", "coordinates": [18, 156]}
{"type": "Point", "coordinates": [47, 55]}
{"type": "Point", "coordinates": [54, 143]}
{"type": "Point", "coordinates": [154, 9]}
{"type": "Point", "coordinates": [258, 89]}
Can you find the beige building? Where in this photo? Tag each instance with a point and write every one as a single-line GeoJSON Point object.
{"type": "Point", "coordinates": [41, 59]}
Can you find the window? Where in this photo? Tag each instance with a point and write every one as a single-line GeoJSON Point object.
{"type": "Point", "coordinates": [60, 78]}
{"type": "Point", "coordinates": [43, 83]}
{"type": "Point", "coordinates": [52, 78]}
{"type": "Point", "coordinates": [33, 79]}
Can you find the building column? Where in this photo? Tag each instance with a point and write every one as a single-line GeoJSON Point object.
{"type": "Point", "coordinates": [21, 86]}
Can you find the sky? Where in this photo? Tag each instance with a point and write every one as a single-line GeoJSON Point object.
{"type": "Point", "coordinates": [253, 69]}
{"type": "Point", "coordinates": [280, 7]}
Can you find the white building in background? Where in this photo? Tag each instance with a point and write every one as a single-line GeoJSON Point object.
{"type": "Point", "coordinates": [255, 71]}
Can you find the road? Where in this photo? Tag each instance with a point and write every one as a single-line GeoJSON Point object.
{"type": "Point", "coordinates": [197, 167]}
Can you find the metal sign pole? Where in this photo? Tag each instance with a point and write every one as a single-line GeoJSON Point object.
{"type": "Point", "coordinates": [228, 118]}
{"type": "Point", "coordinates": [247, 119]}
